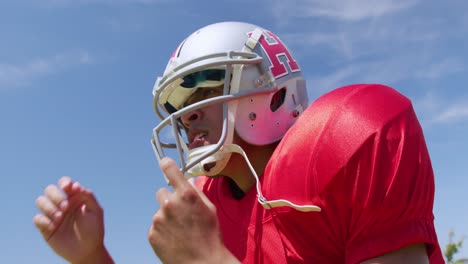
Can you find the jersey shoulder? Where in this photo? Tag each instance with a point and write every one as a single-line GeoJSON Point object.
{"type": "Point", "coordinates": [332, 129]}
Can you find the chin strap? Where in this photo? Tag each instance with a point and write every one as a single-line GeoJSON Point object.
{"type": "Point", "coordinates": [219, 159]}
{"type": "Point", "coordinates": [269, 204]}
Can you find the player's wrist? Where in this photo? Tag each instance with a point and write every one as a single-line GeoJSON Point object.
{"type": "Point", "coordinates": [100, 255]}
{"type": "Point", "coordinates": [224, 256]}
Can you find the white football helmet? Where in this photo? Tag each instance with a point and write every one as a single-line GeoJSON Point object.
{"type": "Point", "coordinates": [264, 92]}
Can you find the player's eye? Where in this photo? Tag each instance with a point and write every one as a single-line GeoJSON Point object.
{"type": "Point", "coordinates": [204, 93]}
{"type": "Point", "coordinates": [212, 92]}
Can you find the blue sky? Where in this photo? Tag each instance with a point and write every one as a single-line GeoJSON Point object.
{"type": "Point", "coordinates": [75, 95]}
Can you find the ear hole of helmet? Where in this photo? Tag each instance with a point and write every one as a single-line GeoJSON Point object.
{"type": "Point", "coordinates": [278, 99]}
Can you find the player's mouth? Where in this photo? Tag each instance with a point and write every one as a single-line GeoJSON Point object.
{"type": "Point", "coordinates": [198, 139]}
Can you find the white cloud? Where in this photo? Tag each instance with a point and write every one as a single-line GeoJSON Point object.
{"type": "Point", "coordinates": [383, 50]}
{"type": "Point", "coordinates": [441, 68]}
{"type": "Point", "coordinates": [386, 70]}
{"type": "Point", "coordinates": [319, 85]}
{"type": "Point", "coordinates": [379, 37]}
{"type": "Point", "coordinates": [353, 41]}
{"type": "Point", "coordinates": [343, 10]}
{"type": "Point", "coordinates": [436, 107]}
{"type": "Point", "coordinates": [62, 3]}
{"type": "Point", "coordinates": [391, 71]}
{"type": "Point", "coordinates": [429, 103]}
{"type": "Point", "coordinates": [454, 113]}
{"type": "Point", "coordinates": [14, 75]}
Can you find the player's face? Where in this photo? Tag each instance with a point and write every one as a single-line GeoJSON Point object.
{"type": "Point", "coordinates": [204, 125]}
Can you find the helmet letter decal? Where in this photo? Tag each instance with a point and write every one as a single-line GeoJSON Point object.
{"type": "Point", "coordinates": [280, 59]}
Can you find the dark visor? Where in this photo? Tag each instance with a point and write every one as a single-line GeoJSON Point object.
{"type": "Point", "coordinates": [193, 79]}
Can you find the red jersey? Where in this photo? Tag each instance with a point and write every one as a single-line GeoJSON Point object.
{"type": "Point", "coordinates": [359, 153]}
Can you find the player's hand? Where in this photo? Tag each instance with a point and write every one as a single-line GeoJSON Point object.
{"type": "Point", "coordinates": [71, 221]}
{"type": "Point", "coordinates": [185, 228]}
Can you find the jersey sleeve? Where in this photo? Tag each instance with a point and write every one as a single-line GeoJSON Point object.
{"type": "Point", "coordinates": [393, 192]}
{"type": "Point", "coordinates": [387, 182]}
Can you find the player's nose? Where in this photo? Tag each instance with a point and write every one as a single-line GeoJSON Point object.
{"type": "Point", "coordinates": [193, 116]}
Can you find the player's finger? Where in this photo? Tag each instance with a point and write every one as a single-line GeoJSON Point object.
{"type": "Point", "coordinates": [44, 224]}
{"type": "Point", "coordinates": [48, 208]}
{"type": "Point", "coordinates": [69, 186]}
{"type": "Point", "coordinates": [76, 187]}
{"type": "Point", "coordinates": [65, 183]}
{"type": "Point", "coordinates": [87, 197]}
{"type": "Point", "coordinates": [163, 196]}
{"type": "Point", "coordinates": [54, 194]}
{"type": "Point", "coordinates": [172, 172]}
